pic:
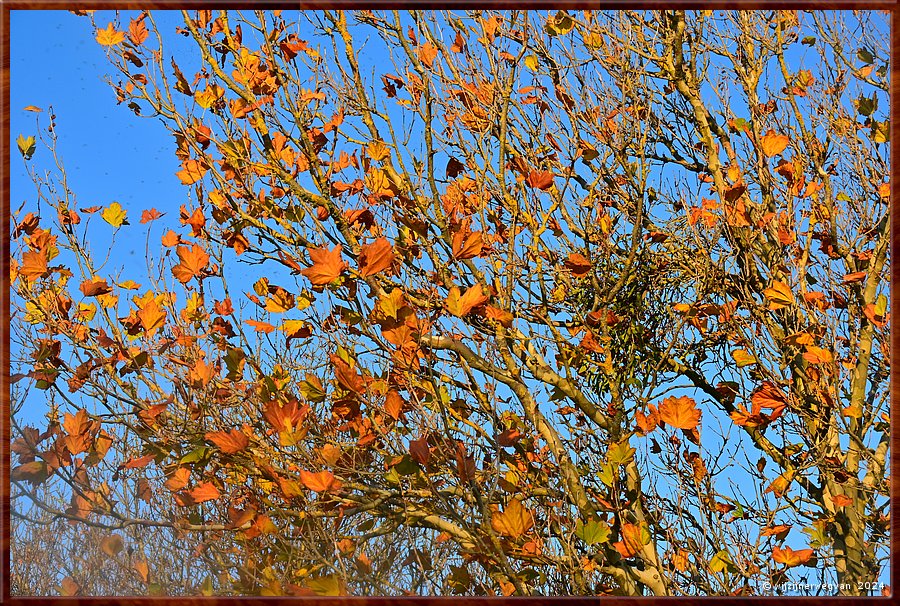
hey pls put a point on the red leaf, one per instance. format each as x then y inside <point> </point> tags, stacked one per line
<point>540,179</point>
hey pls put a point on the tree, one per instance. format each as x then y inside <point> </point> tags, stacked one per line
<point>567,303</point>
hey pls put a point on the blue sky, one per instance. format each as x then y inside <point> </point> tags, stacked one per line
<point>109,153</point>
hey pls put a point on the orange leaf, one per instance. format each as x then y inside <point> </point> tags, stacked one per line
<point>34,264</point>
<point>780,484</point>
<point>393,404</point>
<point>170,239</point>
<point>578,265</point>
<point>467,246</point>
<point>200,494</point>
<point>427,53</point>
<point>376,257</point>
<point>841,500</point>
<point>631,542</point>
<point>817,355</point>
<point>327,265</point>
<point>95,287</point>
<point>462,305</point>
<point>514,521</point>
<point>772,143</point>
<point>857,276</point>
<point>680,413</point>
<point>780,531</point>
<point>768,395</point>
<point>178,479</point>
<point>228,442</point>
<point>260,326</point>
<point>540,179</point>
<point>137,31</point>
<point>346,376</point>
<point>779,295</point>
<point>150,215</point>
<point>193,262</point>
<point>109,36</point>
<point>152,317</point>
<point>791,558</point>
<point>323,481</point>
<point>191,171</point>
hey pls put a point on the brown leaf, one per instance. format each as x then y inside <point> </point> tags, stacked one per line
<point>578,265</point>
<point>95,287</point>
<point>376,257</point>
<point>542,180</point>
<point>112,545</point>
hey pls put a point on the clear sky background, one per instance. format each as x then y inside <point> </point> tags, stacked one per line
<point>109,153</point>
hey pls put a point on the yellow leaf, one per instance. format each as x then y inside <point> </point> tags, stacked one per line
<point>114,215</point>
<point>772,143</point>
<point>531,62</point>
<point>779,295</point>
<point>514,521</point>
<point>742,358</point>
<point>109,36</point>
<point>780,484</point>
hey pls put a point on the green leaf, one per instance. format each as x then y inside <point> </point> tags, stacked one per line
<point>593,532</point>
<point>26,146</point>
<point>865,56</point>
<point>881,305</point>
<point>195,455</point>
<point>606,474</point>
<point>722,562</point>
<point>866,106</point>
<point>560,24</point>
<point>620,453</point>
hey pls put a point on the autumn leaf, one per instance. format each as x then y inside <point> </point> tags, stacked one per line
<point>467,245</point>
<point>347,377</point>
<point>322,481</point>
<point>112,545</point>
<point>462,305</point>
<point>296,329</point>
<point>393,404</point>
<point>779,295</point>
<point>68,587</point>
<point>772,143</point>
<point>26,145</point>
<point>263,327</point>
<point>150,215</point>
<point>178,479</point>
<point>152,317</point>
<point>852,278</point>
<point>841,500</point>
<point>376,257</point>
<point>327,265</point>
<point>171,239</point>
<point>791,558</point>
<point>34,264</point>
<point>542,180</point>
<point>229,442</point>
<point>817,355</point>
<point>768,395</point>
<point>743,358</point>
<point>137,31</point>
<point>95,287</point>
<point>200,494</point>
<point>193,262</point>
<point>780,484</point>
<point>109,36</point>
<point>514,521</point>
<point>632,541</point>
<point>578,264</point>
<point>115,215</point>
<point>427,53</point>
<point>680,413</point>
<point>191,171</point>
